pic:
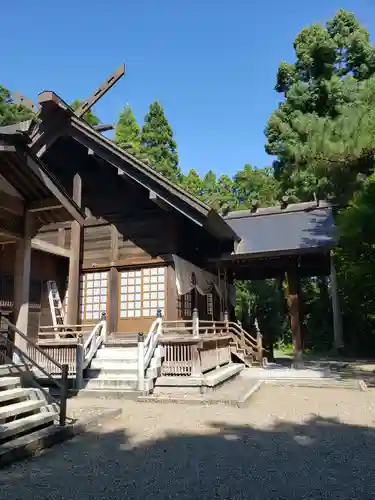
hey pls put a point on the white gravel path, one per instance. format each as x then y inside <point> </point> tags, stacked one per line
<point>290,443</point>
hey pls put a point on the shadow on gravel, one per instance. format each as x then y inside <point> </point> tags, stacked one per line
<point>320,459</point>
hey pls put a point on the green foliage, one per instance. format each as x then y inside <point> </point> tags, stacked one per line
<point>89,116</point>
<point>323,135</point>
<point>127,132</point>
<point>322,84</point>
<point>158,145</point>
<point>255,185</point>
<point>10,112</point>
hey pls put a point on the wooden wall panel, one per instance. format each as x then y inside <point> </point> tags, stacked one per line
<point>96,246</point>
<point>44,267</point>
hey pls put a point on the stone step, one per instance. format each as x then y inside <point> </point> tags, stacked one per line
<point>20,408</point>
<point>28,445</point>
<point>117,353</point>
<point>109,371</point>
<point>15,393</point>
<point>7,382</point>
<point>117,384</point>
<point>113,364</point>
<point>26,424</point>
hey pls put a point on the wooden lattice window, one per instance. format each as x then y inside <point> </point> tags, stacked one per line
<point>93,295</point>
<point>142,292</point>
<point>210,304</point>
<point>184,305</point>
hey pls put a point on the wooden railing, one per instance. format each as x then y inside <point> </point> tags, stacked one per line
<point>61,332</point>
<point>194,357</point>
<point>60,354</point>
<point>73,345</point>
<point>252,346</point>
<point>146,349</point>
<point>85,351</point>
<point>25,359</point>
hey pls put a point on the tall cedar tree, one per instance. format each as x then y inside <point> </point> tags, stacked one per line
<point>127,132</point>
<point>158,145</point>
<point>330,61</point>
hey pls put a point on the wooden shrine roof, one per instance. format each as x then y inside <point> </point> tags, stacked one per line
<point>26,183</point>
<point>58,121</point>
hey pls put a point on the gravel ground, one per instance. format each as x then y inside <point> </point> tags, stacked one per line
<point>290,443</point>
<point>78,410</point>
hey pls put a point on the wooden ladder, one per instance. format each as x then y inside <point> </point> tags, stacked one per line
<point>55,304</point>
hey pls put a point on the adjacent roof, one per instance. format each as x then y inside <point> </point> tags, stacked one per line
<point>293,230</point>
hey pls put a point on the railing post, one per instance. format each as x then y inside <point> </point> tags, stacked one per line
<point>217,354</point>
<point>226,320</point>
<point>195,321</point>
<point>64,394</point>
<point>195,313</point>
<point>141,362</point>
<point>79,362</point>
<point>103,332</point>
<point>196,366</point>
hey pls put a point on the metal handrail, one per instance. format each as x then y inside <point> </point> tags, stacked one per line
<point>63,385</point>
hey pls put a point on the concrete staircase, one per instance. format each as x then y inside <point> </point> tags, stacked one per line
<point>114,370</point>
<point>24,412</point>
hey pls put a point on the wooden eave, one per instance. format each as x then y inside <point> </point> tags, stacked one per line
<point>40,192</point>
<point>165,191</point>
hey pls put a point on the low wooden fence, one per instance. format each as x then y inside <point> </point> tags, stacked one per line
<point>194,357</point>
<point>252,346</point>
<point>63,352</point>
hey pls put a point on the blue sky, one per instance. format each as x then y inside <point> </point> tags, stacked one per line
<point>211,64</point>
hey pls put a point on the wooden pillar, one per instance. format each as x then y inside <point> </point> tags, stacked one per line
<point>292,276</point>
<point>22,280</point>
<point>113,280</point>
<point>338,342</point>
<point>195,305</point>
<point>171,312</point>
<point>75,258</point>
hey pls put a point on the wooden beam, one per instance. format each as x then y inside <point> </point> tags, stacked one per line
<point>44,205</point>
<point>104,127</point>
<point>10,234</point>
<point>47,247</point>
<point>158,201</point>
<point>101,91</point>
<point>49,183</point>
<point>75,258</point>
<point>11,204</point>
<point>113,281</point>
<point>7,148</point>
<point>48,131</point>
<point>61,237</point>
